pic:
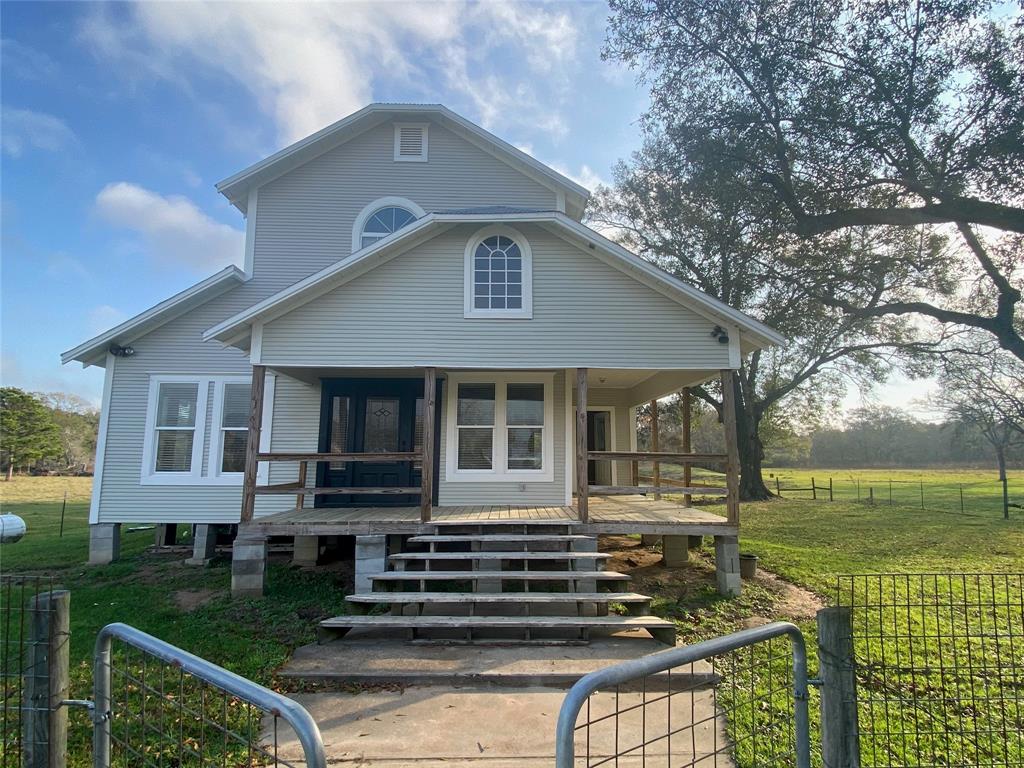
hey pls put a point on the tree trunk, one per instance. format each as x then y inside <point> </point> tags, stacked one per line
<point>10,468</point>
<point>748,425</point>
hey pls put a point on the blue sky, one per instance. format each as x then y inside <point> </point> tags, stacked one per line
<point>119,118</point>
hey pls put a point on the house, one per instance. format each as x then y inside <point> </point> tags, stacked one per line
<point>424,334</point>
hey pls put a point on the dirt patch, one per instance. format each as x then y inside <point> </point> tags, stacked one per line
<point>187,600</point>
<point>778,599</point>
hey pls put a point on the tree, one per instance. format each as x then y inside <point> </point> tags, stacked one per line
<point>27,430</point>
<point>844,116</point>
<point>984,388</point>
<point>78,423</point>
<point>702,226</point>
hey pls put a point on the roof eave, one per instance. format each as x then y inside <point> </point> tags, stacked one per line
<point>93,351</point>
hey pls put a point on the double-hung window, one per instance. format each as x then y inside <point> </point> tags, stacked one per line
<point>234,426</point>
<point>176,419</point>
<point>197,429</point>
<point>500,427</point>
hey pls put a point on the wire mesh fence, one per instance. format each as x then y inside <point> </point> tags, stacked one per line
<point>730,702</point>
<point>26,635</point>
<point>939,662</point>
<point>159,706</point>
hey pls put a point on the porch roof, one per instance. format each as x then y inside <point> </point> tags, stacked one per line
<point>754,334</point>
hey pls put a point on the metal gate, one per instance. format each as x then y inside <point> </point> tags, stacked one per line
<point>738,699</point>
<point>152,704</point>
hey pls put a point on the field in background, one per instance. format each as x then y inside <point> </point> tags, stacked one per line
<point>941,488</point>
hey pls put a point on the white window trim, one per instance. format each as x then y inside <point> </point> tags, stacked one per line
<point>499,471</point>
<point>372,208</point>
<point>213,475</point>
<point>526,312</point>
<point>420,158</point>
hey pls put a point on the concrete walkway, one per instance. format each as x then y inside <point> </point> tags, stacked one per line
<point>497,727</point>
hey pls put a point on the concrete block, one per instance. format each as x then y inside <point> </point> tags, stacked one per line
<point>727,565</point>
<point>675,550</point>
<point>307,550</point>
<point>104,543</point>
<point>204,545</point>
<point>371,558</point>
<point>488,585</point>
<point>166,535</point>
<point>248,567</point>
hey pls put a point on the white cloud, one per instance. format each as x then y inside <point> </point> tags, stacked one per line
<point>26,62</point>
<point>172,228</point>
<point>310,64</point>
<point>26,128</point>
<point>586,176</point>
<point>103,318</point>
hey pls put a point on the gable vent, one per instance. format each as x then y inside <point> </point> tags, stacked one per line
<point>411,142</point>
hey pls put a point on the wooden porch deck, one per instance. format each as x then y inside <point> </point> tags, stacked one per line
<point>617,514</point>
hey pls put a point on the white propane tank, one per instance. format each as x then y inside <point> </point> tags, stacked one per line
<point>12,528</point>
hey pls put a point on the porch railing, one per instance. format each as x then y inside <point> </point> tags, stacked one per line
<point>300,489</point>
<point>729,460</point>
<point>254,455</point>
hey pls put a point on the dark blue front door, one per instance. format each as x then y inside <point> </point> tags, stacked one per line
<point>370,416</point>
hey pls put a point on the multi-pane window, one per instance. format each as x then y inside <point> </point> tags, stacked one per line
<point>234,427</point>
<point>524,421</point>
<point>500,427</point>
<point>383,222</point>
<point>498,274</point>
<point>175,426</point>
<point>475,424</point>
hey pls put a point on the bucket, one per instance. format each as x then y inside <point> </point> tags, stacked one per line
<point>748,566</point>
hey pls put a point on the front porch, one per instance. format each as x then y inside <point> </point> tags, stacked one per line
<point>612,514</point>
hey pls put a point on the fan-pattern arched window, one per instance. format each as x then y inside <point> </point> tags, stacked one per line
<point>383,222</point>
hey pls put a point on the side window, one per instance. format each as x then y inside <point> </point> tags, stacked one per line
<point>177,405</point>
<point>234,427</point>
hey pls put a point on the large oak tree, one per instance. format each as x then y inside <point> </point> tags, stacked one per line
<point>847,115</point>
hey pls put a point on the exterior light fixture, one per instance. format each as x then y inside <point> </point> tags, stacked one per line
<point>118,351</point>
<point>720,333</point>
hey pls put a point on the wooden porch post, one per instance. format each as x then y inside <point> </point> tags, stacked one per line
<point>655,448</point>
<point>427,462</point>
<point>687,447</point>
<point>252,445</point>
<point>582,481</point>
<point>732,467</point>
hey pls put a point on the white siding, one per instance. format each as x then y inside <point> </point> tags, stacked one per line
<point>304,219</point>
<point>409,311</point>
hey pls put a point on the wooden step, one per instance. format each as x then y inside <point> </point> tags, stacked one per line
<point>499,575</point>
<point>660,629</point>
<point>497,521</point>
<point>411,598</point>
<point>499,538</point>
<point>500,555</point>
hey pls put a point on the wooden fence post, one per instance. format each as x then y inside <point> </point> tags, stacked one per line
<point>840,736</point>
<point>582,481</point>
<point>778,487</point>
<point>427,462</point>
<point>45,721</point>
<point>655,447</point>
<point>830,489</point>
<point>814,489</point>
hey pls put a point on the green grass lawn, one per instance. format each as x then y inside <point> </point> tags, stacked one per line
<point>808,543</point>
<point>250,637</point>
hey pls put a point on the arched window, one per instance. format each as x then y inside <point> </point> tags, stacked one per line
<point>382,217</point>
<point>499,274</point>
